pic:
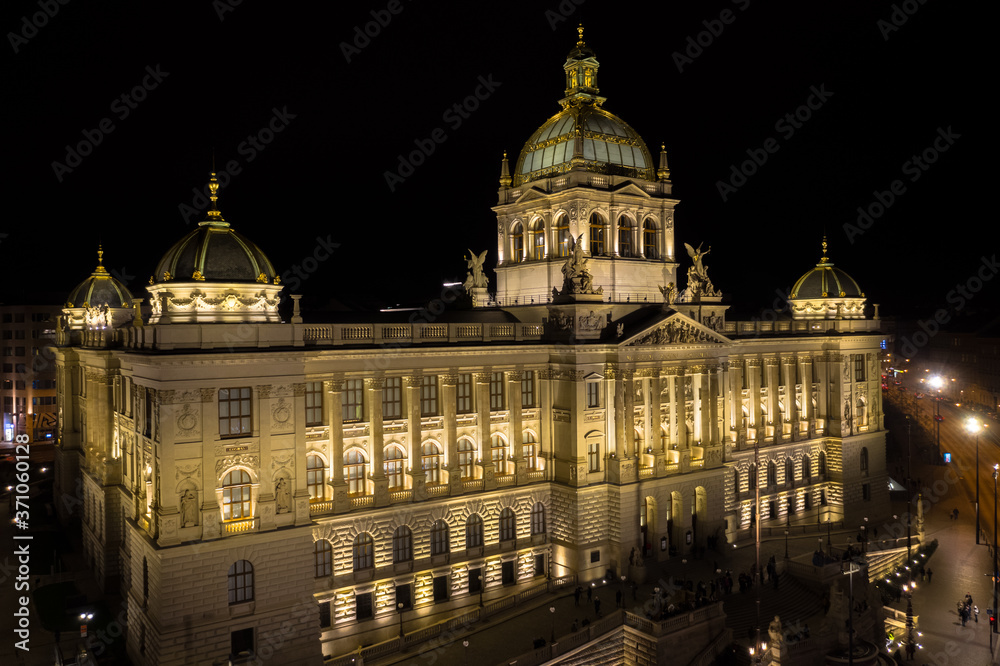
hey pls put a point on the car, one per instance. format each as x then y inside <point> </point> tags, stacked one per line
<point>918,396</point>
<point>901,388</point>
<point>885,387</point>
<point>938,417</point>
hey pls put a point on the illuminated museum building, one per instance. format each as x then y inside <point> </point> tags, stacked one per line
<point>246,482</point>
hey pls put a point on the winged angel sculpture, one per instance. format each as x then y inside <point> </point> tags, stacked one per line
<point>698,284</point>
<point>476,277</point>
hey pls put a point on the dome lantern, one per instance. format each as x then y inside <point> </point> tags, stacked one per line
<point>826,292</point>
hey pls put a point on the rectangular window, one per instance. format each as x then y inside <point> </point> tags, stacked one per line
<point>441,588</point>
<point>403,597</point>
<point>594,457</point>
<point>353,400</point>
<point>18,351</point>
<point>593,395</point>
<point>475,581</point>
<point>429,396</point>
<point>363,606</point>
<point>595,556</point>
<point>507,572</point>
<point>859,367</point>
<point>528,389</point>
<point>392,398</point>
<point>234,412</point>
<point>324,614</point>
<point>540,564</point>
<point>866,491</point>
<point>241,644</point>
<point>496,391</point>
<point>314,403</point>
<point>464,394</point>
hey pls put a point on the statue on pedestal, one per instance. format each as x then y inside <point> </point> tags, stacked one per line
<point>699,284</point>
<point>576,277</point>
<point>475,278</point>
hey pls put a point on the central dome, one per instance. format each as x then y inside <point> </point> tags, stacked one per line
<point>607,145</point>
<point>583,136</point>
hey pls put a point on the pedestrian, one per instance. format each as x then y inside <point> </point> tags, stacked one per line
<point>590,593</point>
<point>910,649</point>
<point>597,606</point>
<point>576,595</point>
<point>930,573</point>
<point>574,627</point>
<point>975,610</point>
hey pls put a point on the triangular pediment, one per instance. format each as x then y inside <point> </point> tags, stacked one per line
<point>532,194</point>
<point>631,188</point>
<point>676,329</point>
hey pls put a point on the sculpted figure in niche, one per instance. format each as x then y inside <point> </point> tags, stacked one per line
<point>189,508</point>
<point>282,496</point>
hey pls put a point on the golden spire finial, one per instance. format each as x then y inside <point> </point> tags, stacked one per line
<point>214,214</point>
<point>579,32</point>
<point>824,259</point>
<point>100,254</point>
<point>505,179</point>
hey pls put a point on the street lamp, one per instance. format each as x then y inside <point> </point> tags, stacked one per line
<point>480,590</point>
<point>786,544</point>
<point>399,605</point>
<point>85,618</point>
<point>908,591</point>
<point>622,604</point>
<point>936,383</point>
<point>853,567</point>
<point>993,628</point>
<point>552,612</point>
<point>465,644</point>
<point>973,427</point>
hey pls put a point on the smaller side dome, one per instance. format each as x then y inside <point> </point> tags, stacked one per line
<point>826,292</point>
<point>100,289</point>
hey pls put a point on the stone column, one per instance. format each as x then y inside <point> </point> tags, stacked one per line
<point>516,436</point>
<point>211,510</point>
<point>788,379</point>
<point>671,383</point>
<point>415,436</point>
<point>266,508</point>
<point>449,404</point>
<point>482,380</point>
<point>335,421</point>
<point>754,366</point>
<point>628,391</point>
<point>546,447</point>
<point>771,367</point>
<point>376,440</point>
<point>619,407</point>
<point>300,499</point>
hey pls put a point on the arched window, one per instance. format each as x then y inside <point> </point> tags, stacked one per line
<point>530,451</point>
<point>315,478</point>
<point>466,457</point>
<point>508,524</point>
<point>236,502</point>
<point>402,544</point>
<point>323,552</point>
<point>364,552</point>
<point>354,471</point>
<point>538,519</point>
<point>563,239</point>
<point>821,463</point>
<point>736,482</point>
<point>789,470</point>
<point>440,542</point>
<point>596,235</point>
<point>625,237</point>
<point>431,454</point>
<point>649,247</point>
<point>240,582</point>
<point>393,462</point>
<point>772,474</point>
<point>752,478</point>
<point>864,460</point>
<point>474,531</point>
<point>517,243</point>
<point>498,453</point>
<point>536,234</point>
<point>806,468</point>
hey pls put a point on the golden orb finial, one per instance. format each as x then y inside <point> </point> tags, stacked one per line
<point>579,31</point>
<point>214,214</point>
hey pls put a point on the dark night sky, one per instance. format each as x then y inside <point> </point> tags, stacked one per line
<point>323,174</point>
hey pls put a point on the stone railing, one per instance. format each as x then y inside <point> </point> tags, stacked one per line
<point>362,501</point>
<point>241,526</point>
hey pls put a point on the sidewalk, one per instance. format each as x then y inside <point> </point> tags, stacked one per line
<point>960,567</point>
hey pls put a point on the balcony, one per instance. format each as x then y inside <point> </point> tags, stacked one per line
<point>241,526</point>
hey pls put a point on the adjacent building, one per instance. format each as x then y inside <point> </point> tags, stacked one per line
<point>28,373</point>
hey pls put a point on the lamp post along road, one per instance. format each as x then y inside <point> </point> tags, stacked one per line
<point>973,427</point>
<point>993,628</point>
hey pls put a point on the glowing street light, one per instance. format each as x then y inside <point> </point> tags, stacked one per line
<point>973,427</point>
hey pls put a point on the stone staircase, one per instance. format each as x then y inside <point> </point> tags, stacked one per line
<point>791,601</point>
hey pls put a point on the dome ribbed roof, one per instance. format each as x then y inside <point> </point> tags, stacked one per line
<point>607,145</point>
<point>101,288</point>
<point>826,281</point>
<point>214,252</point>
